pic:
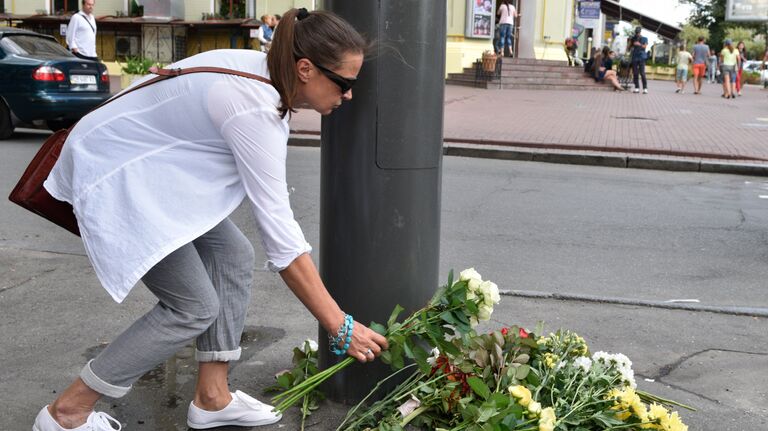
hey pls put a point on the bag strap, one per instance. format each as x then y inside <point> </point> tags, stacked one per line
<point>163,74</point>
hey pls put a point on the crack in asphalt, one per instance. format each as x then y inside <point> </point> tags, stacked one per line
<point>669,368</point>
<point>3,289</point>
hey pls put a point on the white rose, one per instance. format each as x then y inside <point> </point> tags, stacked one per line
<point>471,295</point>
<point>534,407</point>
<point>474,284</point>
<point>309,346</point>
<point>469,274</point>
<point>484,313</point>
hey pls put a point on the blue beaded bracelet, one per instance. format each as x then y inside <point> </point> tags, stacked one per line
<point>343,337</point>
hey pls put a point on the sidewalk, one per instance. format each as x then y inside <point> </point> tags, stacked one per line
<point>660,130</point>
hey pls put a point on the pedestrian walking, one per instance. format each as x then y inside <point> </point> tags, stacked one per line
<point>742,48</point>
<point>81,32</point>
<point>700,54</point>
<point>639,44</point>
<point>684,60</point>
<point>507,14</point>
<point>712,69</point>
<point>153,177</point>
<point>729,62</point>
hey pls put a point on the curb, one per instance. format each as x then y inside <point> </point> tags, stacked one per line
<point>669,305</point>
<point>589,158</point>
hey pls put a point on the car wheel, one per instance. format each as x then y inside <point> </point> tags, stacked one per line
<point>56,125</point>
<point>6,126</point>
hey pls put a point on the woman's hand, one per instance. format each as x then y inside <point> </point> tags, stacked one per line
<point>366,344</point>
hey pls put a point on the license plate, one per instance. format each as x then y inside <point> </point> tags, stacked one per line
<point>82,79</point>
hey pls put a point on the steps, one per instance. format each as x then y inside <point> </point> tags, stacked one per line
<point>528,74</point>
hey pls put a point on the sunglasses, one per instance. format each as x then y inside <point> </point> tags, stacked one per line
<point>344,84</point>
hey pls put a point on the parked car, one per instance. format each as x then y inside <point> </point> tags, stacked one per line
<point>41,83</point>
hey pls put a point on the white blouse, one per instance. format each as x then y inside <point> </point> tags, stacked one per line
<point>162,165</point>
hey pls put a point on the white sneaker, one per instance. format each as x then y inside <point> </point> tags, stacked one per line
<point>97,421</point>
<point>243,410</point>
<point>636,90</point>
<point>645,91</point>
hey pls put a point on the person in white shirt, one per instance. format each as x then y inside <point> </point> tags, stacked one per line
<point>152,178</point>
<point>507,14</point>
<point>81,32</point>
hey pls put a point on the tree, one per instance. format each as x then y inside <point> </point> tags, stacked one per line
<point>710,14</point>
<point>746,35</point>
<point>691,34</point>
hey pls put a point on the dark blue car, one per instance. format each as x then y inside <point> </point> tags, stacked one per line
<point>41,83</point>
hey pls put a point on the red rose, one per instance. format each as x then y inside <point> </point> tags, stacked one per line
<point>504,331</point>
<point>523,333</point>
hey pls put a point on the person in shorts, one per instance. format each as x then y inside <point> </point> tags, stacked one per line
<point>700,56</point>
<point>684,60</point>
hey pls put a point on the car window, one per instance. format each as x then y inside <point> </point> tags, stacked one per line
<point>24,44</point>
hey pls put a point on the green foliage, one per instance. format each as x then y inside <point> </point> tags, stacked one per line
<point>691,34</point>
<point>138,65</point>
<point>304,367</point>
<point>136,9</point>
<point>629,32</point>
<point>710,14</point>
<point>747,35</point>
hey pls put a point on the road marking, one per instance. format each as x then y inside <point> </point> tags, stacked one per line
<point>763,196</point>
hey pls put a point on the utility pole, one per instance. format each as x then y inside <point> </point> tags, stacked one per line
<point>381,172</point>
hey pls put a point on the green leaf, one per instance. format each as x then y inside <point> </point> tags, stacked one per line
<point>396,312</point>
<point>486,413</point>
<point>500,400</point>
<point>378,328</point>
<point>450,277</point>
<point>522,372</point>
<point>479,387</point>
<point>448,318</point>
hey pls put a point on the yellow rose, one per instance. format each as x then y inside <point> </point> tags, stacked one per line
<point>534,407</point>
<point>547,415</point>
<point>522,394</point>
<point>546,426</point>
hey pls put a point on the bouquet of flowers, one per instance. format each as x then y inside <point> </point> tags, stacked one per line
<point>510,379</point>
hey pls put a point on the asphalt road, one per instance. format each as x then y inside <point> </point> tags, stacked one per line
<point>616,233</point>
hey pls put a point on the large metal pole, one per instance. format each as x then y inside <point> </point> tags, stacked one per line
<point>380,174</point>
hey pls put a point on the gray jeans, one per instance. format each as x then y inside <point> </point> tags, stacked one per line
<point>203,290</point>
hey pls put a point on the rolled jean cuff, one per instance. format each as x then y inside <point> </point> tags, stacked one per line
<point>97,384</point>
<point>225,356</point>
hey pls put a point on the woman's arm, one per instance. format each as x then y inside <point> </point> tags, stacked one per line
<point>302,278</point>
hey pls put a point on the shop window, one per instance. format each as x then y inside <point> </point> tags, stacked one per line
<point>64,6</point>
<point>232,8</point>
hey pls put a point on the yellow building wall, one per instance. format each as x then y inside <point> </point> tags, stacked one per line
<point>279,7</point>
<point>25,7</point>
<point>194,9</point>
<point>461,52</point>
<point>554,19</point>
<point>107,7</point>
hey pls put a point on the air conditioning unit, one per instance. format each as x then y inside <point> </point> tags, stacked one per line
<point>127,46</point>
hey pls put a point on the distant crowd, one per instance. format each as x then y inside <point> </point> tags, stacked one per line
<point>702,62</point>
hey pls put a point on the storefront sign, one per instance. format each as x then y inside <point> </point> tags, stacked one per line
<point>481,17</point>
<point>746,10</point>
<point>588,13</point>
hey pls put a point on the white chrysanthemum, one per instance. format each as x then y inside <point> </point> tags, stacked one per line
<point>469,274</point>
<point>584,363</point>
<point>621,363</point>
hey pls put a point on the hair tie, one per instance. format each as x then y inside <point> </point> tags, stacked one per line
<point>303,13</point>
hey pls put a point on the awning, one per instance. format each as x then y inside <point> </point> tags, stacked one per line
<point>614,10</point>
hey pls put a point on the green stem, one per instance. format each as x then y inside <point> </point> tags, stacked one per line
<point>646,396</point>
<point>411,416</point>
<point>351,413</point>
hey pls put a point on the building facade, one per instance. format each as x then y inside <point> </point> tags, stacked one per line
<point>173,29</point>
